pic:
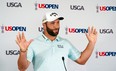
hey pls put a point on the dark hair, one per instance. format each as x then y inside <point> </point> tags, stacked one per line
<point>45,23</point>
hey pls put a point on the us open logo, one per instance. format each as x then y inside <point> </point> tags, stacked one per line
<point>105,54</point>
<point>105,8</point>
<point>75,30</point>
<point>12,28</point>
<point>46,6</point>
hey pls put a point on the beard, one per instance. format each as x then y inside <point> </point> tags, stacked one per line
<point>51,31</point>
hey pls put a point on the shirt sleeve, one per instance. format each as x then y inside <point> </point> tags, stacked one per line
<point>30,53</point>
<point>74,53</point>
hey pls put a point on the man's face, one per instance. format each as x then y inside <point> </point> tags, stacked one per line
<point>53,27</point>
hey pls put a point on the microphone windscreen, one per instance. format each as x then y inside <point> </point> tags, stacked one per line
<point>62,58</point>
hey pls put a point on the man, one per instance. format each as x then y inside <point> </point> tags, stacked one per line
<point>49,52</point>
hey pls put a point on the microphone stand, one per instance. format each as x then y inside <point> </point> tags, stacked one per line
<point>64,63</point>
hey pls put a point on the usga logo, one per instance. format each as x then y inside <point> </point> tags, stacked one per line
<point>105,8</point>
<point>12,52</point>
<point>76,7</point>
<point>106,31</point>
<point>14,4</point>
<point>46,6</point>
<point>12,28</point>
<point>76,30</point>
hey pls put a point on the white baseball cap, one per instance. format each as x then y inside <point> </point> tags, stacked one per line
<point>51,16</point>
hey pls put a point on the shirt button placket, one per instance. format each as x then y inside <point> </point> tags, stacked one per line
<point>52,46</point>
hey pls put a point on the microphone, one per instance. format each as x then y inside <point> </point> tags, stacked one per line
<point>64,63</point>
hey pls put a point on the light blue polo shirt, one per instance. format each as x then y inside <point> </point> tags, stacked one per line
<point>46,55</point>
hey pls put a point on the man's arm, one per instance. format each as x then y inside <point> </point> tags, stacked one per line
<point>92,38</point>
<point>23,63</point>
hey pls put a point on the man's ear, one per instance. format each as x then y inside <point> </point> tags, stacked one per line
<point>44,25</point>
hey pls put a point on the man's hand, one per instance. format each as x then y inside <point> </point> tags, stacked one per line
<point>22,42</point>
<point>92,35</point>
<point>92,38</point>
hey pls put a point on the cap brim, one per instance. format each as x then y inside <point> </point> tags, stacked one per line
<point>61,18</point>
